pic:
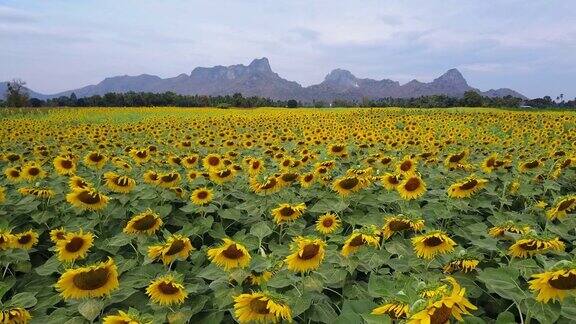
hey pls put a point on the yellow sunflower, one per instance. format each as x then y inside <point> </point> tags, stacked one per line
<point>269,186</point>
<point>327,223</point>
<point>510,227</point>
<point>307,254</point>
<point>346,185</point>
<point>260,307</point>
<point>93,281</point>
<point>287,212</point>
<point>562,208</point>
<point>118,183</point>
<point>166,291</point>
<point>15,316</point>
<point>461,264</point>
<point>229,255</point>
<point>169,180</point>
<point>529,245</point>
<point>74,246</point>
<point>395,310</point>
<point>64,165</point>
<point>32,172</point>
<point>466,188</point>
<point>43,193</point>
<point>121,318</point>
<point>390,181</point>
<point>259,278</point>
<point>57,234</point>
<point>212,162</point>
<point>457,159</point>
<point>177,247</point>
<point>554,285</point>
<point>190,161</point>
<point>307,180</point>
<point>360,238</point>
<point>25,240</point>
<point>527,166</point>
<point>201,196</point>
<point>401,223</point>
<point>406,166</point>
<point>151,177</point>
<point>140,156</point>
<point>428,245</point>
<point>13,174</point>
<point>411,187</point>
<point>6,240</point>
<point>77,182</point>
<point>95,160</point>
<point>146,222</point>
<point>87,199</point>
<point>222,176</point>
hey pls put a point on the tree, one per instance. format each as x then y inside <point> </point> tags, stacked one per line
<point>292,103</point>
<point>472,99</point>
<point>16,93</point>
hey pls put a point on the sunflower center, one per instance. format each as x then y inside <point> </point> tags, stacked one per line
<point>14,173</point>
<point>25,239</point>
<point>490,162</point>
<point>470,184</point>
<point>92,279</point>
<point>385,160</point>
<point>309,251</point>
<point>145,223</point>
<point>33,171</point>
<point>167,288</point>
<point>286,211</point>
<point>202,195</point>
<point>308,177</point>
<point>393,180</point>
<point>531,165</point>
<point>232,252</point>
<point>175,247</point>
<point>269,184</point>
<point>441,315</point>
<point>349,183</point>
<point>66,164</point>
<point>327,222</point>
<point>176,160</point>
<point>213,161</point>
<point>224,173</point>
<point>412,184</point>
<point>564,282</point>
<point>529,246</point>
<point>141,154</point>
<point>169,177</point>
<point>289,177</point>
<point>337,148</point>
<point>566,204</point>
<point>259,306</point>
<point>75,244</point>
<point>95,157</point>
<point>433,241</point>
<point>255,165</point>
<point>398,225</point>
<point>358,240</point>
<point>60,235</point>
<point>122,181</point>
<point>406,165</point>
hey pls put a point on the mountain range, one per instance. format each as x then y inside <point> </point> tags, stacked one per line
<point>258,79</point>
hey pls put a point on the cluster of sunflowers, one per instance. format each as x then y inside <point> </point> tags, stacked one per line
<point>167,215</point>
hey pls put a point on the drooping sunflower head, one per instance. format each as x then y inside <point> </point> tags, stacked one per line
<point>25,240</point>
<point>401,223</point>
<point>229,255</point>
<point>93,281</point>
<point>16,315</point>
<point>428,245</point>
<point>466,187</point>
<point>287,178</point>
<point>555,284</point>
<point>453,160</point>
<point>328,223</point>
<point>118,183</point>
<point>87,199</point>
<point>531,244</point>
<point>259,278</point>
<point>361,237</point>
<point>528,166</point>
<point>287,212</point>
<point>146,222</point>
<point>261,307</point>
<point>6,240</point>
<point>269,186</point>
<point>307,254</point>
<point>562,208</point>
<point>222,176</point>
<point>166,291</point>
<point>462,263</point>
<point>500,230</point>
<point>74,246</point>
<point>77,182</point>
<point>169,180</point>
<point>151,177</point>
<point>411,187</point>
<point>396,310</point>
<point>202,196</point>
<point>176,247</point>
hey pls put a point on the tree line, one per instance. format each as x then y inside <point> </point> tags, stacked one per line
<point>17,96</point>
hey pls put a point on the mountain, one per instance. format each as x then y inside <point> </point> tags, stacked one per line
<point>258,79</point>
<point>33,94</point>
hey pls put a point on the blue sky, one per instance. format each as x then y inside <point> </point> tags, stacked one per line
<point>529,46</point>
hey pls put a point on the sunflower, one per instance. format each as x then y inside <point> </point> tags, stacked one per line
<point>222,176</point>
<point>406,166</point>
<point>212,162</point>
<point>169,180</point>
<point>93,281</point>
<point>271,185</point>
<point>411,188</point>
<point>15,316</point>
<point>201,196</point>
<point>32,172</point>
<point>74,246</point>
<point>337,150</point>
<point>190,161</point>
<point>441,308</point>
<point>456,160</point>
<point>166,291</point>
<point>140,156</point>
<point>57,234</point>
<point>562,208</point>
<point>118,183</point>
<point>527,166</point>
<point>492,163</point>
<point>147,222</point>
<point>229,255</point>
<point>327,223</point>
<point>121,318</point>
<point>395,310</point>
<point>307,180</point>
<point>428,245</point>
<point>286,212</point>
<point>87,199</point>
<point>13,174</point>
<point>260,307</point>
<point>463,264</point>
<point>307,254</point>
<point>466,187</point>
<point>530,245</point>
<point>348,184</point>
<point>554,285</point>
<point>6,240</point>
<point>287,178</point>
<point>255,166</point>
<point>151,177</point>
<point>390,181</point>
<point>95,160</point>
<point>43,193</point>
<point>64,165</point>
<point>360,238</point>
<point>401,223</point>
<point>259,278</point>
<point>25,240</point>
<point>501,230</point>
<point>177,247</point>
<point>78,183</point>
<point>174,160</point>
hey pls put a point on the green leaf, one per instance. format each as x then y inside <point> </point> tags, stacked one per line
<point>544,313</point>
<point>569,309</point>
<point>376,319</point>
<point>24,300</point>
<point>261,230</point>
<point>503,281</point>
<point>322,312</point>
<point>506,318</point>
<point>90,308</point>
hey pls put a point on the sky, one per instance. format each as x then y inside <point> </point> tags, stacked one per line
<point>529,46</point>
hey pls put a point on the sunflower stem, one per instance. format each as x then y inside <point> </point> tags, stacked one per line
<point>519,312</point>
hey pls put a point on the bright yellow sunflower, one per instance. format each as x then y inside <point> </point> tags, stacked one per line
<point>95,160</point>
<point>77,182</point>
<point>166,291</point>
<point>428,245</point>
<point>260,307</point>
<point>87,199</point>
<point>222,176</point>
<point>25,240</point>
<point>530,245</point>
<point>359,238</point>
<point>6,240</point>
<point>118,183</point>
<point>411,187</point>
<point>212,162</point>
<point>57,234</point>
<point>177,247</point>
<point>390,181</point>
<point>201,196</point>
<point>230,255</point>
<point>74,246</point>
<point>500,230</point>
<point>269,186</point>
<point>259,278</point>
<point>146,222</point>
<point>466,187</point>
<point>287,212</point>
<point>555,284</point>
<point>151,177</point>
<point>169,180</point>
<point>93,281</point>
<point>463,264</point>
<point>562,208</point>
<point>401,223</point>
<point>307,254</point>
<point>32,172</point>
<point>346,185</point>
<point>13,174</point>
<point>328,223</point>
<point>407,165</point>
<point>122,318</point>
<point>15,316</point>
<point>64,165</point>
<point>395,310</point>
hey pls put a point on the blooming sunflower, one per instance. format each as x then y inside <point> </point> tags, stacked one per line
<point>121,318</point>
<point>74,246</point>
<point>87,199</point>
<point>169,180</point>
<point>166,291</point>
<point>337,150</point>
<point>146,222</point>
<point>428,245</point>
<point>95,160</point>
<point>466,187</point>
<point>32,172</point>
<point>6,240</point>
<point>261,307</point>
<point>57,234</point>
<point>562,208</point>
<point>201,196</point>
<point>287,212</point>
<point>510,227</point>
<point>456,159</point>
<point>140,156</point>
<point>229,255</point>
<point>190,161</point>
<point>327,223</point>
<point>307,254</point>
<point>390,181</point>
<point>346,185</point>
<point>395,310</point>
<point>359,238</point>
<point>307,180</point>
<point>77,182</point>
<point>151,177</point>
<point>177,247</point>
<point>269,186</point>
<point>530,245</point>
<point>407,165</point>
<point>222,176</point>
<point>441,308</point>
<point>64,165</point>
<point>555,284</point>
<point>255,166</point>
<point>25,240</point>
<point>463,264</point>
<point>15,316</point>
<point>118,183</point>
<point>93,281</point>
<point>527,166</point>
<point>212,162</point>
<point>400,223</point>
<point>259,278</point>
<point>411,187</point>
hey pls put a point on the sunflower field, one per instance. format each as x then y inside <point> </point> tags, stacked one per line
<point>173,215</point>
